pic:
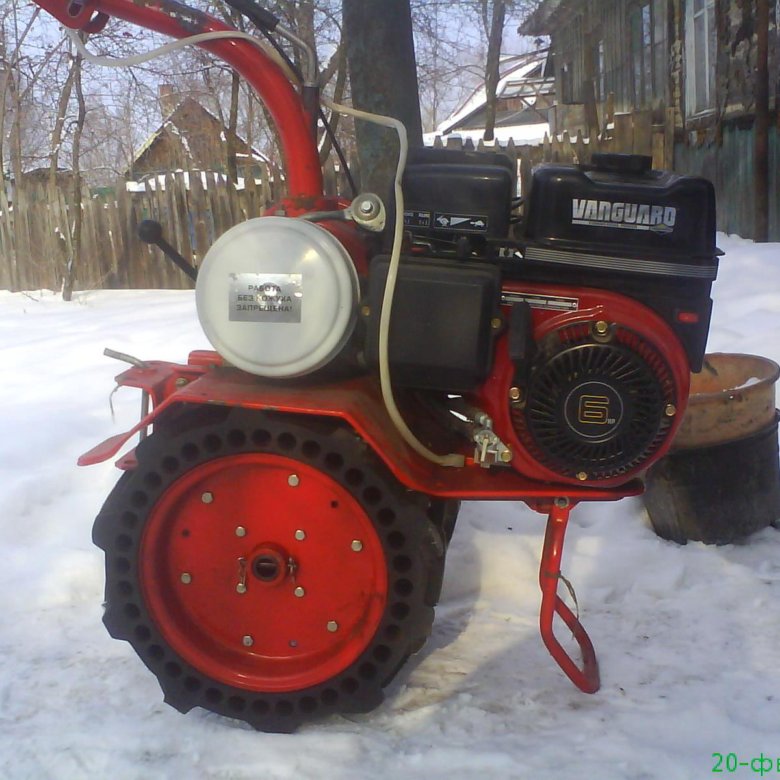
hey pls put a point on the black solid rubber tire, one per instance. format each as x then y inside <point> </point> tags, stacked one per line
<point>413,545</point>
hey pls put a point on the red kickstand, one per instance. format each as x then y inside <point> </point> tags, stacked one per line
<point>587,678</point>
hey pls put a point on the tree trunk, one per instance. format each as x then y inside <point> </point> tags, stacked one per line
<point>74,261</point>
<point>492,66</point>
<point>380,52</point>
<point>230,142</point>
<point>761,151</point>
<point>59,122</point>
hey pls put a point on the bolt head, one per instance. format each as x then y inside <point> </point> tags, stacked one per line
<point>670,410</point>
<point>240,531</point>
<point>241,588</point>
<point>186,577</point>
<point>247,641</point>
<point>332,626</point>
<point>207,497</point>
<point>293,480</point>
<point>506,456</point>
<point>515,393</point>
<point>357,545</point>
<point>181,381</point>
<point>582,476</point>
<point>300,535</point>
<point>299,592</point>
<point>495,323</point>
<point>366,207</point>
<point>601,327</point>
<point>365,311</point>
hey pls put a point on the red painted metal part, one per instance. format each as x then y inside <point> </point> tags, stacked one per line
<point>593,305</point>
<point>304,175</point>
<point>585,678</point>
<point>359,403</point>
<point>260,586</point>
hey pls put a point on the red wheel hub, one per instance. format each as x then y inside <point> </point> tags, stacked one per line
<point>262,572</point>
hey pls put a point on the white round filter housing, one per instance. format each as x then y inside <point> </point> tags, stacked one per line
<point>277,297</point>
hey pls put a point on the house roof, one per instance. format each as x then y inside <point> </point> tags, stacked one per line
<point>174,123</point>
<point>522,76</point>
<point>538,23</point>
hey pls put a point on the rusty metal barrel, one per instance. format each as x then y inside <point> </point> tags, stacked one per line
<point>721,481</point>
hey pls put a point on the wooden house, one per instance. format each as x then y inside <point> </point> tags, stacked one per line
<point>190,138</point>
<point>524,95</point>
<point>707,69</point>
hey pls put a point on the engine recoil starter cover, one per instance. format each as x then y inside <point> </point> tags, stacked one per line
<point>277,297</point>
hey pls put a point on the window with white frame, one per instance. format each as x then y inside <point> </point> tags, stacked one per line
<point>700,52</point>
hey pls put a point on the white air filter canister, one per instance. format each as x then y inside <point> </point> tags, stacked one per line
<point>277,297</point>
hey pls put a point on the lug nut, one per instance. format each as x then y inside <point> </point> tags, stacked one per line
<point>332,626</point>
<point>247,641</point>
<point>207,498</point>
<point>357,545</point>
<point>300,535</point>
<point>299,592</point>
<point>293,480</point>
<point>241,531</point>
<point>186,577</point>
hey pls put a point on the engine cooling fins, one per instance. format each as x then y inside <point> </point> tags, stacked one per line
<point>597,407</point>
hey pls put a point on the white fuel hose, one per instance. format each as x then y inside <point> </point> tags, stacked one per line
<point>453,459</point>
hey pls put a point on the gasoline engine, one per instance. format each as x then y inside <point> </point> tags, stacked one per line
<point>276,544</point>
<point>575,339</point>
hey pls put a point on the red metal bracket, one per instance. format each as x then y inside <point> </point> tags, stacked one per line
<point>585,678</point>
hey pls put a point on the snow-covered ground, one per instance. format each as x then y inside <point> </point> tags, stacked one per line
<point>688,637</point>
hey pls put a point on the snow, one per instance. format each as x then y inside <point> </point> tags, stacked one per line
<point>687,637</point>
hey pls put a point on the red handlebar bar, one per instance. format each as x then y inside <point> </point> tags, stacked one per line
<point>304,175</point>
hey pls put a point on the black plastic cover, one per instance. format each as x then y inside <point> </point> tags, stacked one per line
<point>441,336</point>
<point>450,193</point>
<point>618,210</point>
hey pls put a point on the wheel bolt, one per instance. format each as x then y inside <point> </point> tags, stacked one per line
<point>207,498</point>
<point>332,626</point>
<point>241,531</point>
<point>357,545</point>
<point>186,577</point>
<point>293,480</point>
<point>247,641</point>
<point>299,592</point>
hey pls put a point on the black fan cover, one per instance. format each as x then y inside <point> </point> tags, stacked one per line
<point>596,410</point>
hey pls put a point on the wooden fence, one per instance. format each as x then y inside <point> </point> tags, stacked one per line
<point>194,209</point>
<point>36,243</point>
<point>629,133</point>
